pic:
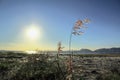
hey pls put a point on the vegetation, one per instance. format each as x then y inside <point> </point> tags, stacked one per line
<point>23,66</point>
<point>110,76</point>
<point>38,67</point>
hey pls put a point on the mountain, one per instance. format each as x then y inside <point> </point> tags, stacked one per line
<point>100,51</point>
<point>108,50</point>
<point>86,51</point>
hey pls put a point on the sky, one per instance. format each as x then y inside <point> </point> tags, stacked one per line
<point>54,20</point>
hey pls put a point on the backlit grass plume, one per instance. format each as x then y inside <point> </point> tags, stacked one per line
<point>76,30</point>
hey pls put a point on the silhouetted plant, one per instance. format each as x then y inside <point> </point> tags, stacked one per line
<point>59,48</point>
<point>76,30</point>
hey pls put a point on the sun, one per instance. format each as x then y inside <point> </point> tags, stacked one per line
<point>33,32</point>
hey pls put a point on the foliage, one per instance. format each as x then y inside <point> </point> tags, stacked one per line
<point>38,67</point>
<point>111,76</point>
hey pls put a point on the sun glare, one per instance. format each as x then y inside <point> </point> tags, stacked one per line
<point>31,52</point>
<point>33,32</point>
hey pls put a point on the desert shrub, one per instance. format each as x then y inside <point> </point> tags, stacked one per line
<point>111,76</point>
<point>39,70</point>
<point>3,67</point>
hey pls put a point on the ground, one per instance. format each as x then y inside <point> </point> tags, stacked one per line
<point>21,66</point>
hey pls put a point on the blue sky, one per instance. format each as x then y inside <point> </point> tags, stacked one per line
<point>55,18</point>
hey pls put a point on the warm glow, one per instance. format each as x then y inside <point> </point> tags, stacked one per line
<point>33,32</point>
<point>31,52</point>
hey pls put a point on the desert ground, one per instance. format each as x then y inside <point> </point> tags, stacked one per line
<point>46,66</point>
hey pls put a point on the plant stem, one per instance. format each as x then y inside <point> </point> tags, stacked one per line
<point>71,54</point>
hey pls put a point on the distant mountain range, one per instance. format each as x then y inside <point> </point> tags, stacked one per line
<point>101,51</point>
<point>108,50</point>
<point>81,51</point>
